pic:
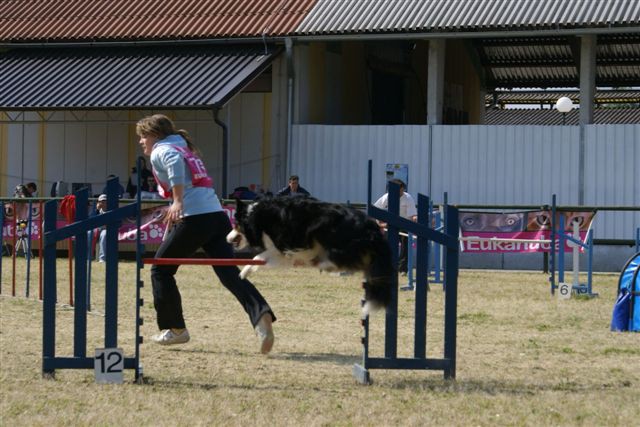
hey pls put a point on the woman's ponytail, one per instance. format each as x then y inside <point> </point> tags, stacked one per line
<point>183,133</point>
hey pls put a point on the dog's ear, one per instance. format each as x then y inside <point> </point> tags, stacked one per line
<point>240,208</point>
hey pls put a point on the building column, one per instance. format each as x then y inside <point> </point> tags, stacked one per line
<point>587,77</point>
<point>435,81</point>
<point>275,157</point>
<point>588,45</point>
<point>482,119</point>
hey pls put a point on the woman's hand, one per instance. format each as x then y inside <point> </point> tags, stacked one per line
<point>175,213</point>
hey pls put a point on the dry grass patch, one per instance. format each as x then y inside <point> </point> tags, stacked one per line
<point>524,358</point>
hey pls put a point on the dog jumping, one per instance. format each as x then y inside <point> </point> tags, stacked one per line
<point>303,231</point>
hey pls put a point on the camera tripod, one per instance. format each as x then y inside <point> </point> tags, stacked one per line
<point>23,244</point>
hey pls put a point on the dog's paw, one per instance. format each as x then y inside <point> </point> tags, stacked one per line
<point>244,273</point>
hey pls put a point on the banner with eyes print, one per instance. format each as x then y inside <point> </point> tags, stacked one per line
<point>512,232</point>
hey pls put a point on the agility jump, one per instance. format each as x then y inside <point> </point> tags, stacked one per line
<point>78,230</point>
<point>112,219</point>
<point>449,241</point>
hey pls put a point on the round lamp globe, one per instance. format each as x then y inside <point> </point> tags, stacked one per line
<point>564,104</point>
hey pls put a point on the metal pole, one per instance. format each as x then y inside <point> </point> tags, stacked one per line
<point>225,152</point>
<point>576,255</point>
<point>49,298</point>
<point>422,276</point>
<point>40,253</point>
<point>290,76</point>
<point>111,270</point>
<point>15,249</point>
<point>552,276</point>
<point>561,243</point>
<point>391,318</point>
<point>1,241</point>
<point>590,261</point>
<point>139,283</point>
<point>451,257</point>
<point>28,250</point>
<point>80,284</point>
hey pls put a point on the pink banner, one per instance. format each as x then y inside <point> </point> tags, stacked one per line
<point>517,231</point>
<point>151,230</point>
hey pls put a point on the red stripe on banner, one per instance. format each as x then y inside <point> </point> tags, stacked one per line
<point>202,261</point>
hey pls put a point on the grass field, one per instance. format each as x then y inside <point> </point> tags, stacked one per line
<point>524,358</point>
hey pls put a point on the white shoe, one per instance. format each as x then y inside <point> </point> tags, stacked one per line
<point>168,337</point>
<point>265,333</point>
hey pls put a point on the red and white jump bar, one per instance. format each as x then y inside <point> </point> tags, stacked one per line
<point>202,261</point>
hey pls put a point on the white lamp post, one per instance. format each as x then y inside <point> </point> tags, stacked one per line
<point>564,105</point>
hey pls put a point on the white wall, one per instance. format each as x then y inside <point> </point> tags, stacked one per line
<point>483,165</point>
<point>612,159</point>
<point>88,146</point>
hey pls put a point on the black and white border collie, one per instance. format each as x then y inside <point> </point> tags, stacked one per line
<point>302,231</point>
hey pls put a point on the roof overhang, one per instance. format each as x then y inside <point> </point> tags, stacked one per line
<point>194,77</point>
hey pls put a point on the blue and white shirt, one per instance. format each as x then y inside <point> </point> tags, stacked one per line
<point>170,168</point>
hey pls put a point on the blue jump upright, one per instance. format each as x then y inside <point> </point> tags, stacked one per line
<point>424,234</point>
<point>433,253</point>
<point>557,261</point>
<point>78,229</point>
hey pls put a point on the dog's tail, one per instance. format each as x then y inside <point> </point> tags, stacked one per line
<point>379,275</point>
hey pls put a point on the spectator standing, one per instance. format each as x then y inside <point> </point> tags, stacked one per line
<point>407,210</point>
<point>101,207</point>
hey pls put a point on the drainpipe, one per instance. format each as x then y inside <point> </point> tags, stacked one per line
<point>225,152</point>
<point>289,52</point>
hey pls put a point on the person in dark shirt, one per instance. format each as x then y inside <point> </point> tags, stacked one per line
<point>294,188</point>
<point>120,187</point>
<point>145,174</point>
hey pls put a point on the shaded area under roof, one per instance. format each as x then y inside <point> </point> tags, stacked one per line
<point>551,96</point>
<point>546,117</point>
<point>117,78</point>
<point>548,62</point>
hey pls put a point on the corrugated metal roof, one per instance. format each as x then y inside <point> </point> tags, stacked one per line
<point>550,97</point>
<point>365,16</point>
<point>194,77</point>
<point>84,20</point>
<point>551,61</point>
<point>102,20</point>
<point>508,62</point>
<point>548,117</point>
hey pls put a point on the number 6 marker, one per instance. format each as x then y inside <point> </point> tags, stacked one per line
<point>564,290</point>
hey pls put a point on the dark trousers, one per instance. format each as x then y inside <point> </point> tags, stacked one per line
<point>207,231</point>
<point>404,252</point>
